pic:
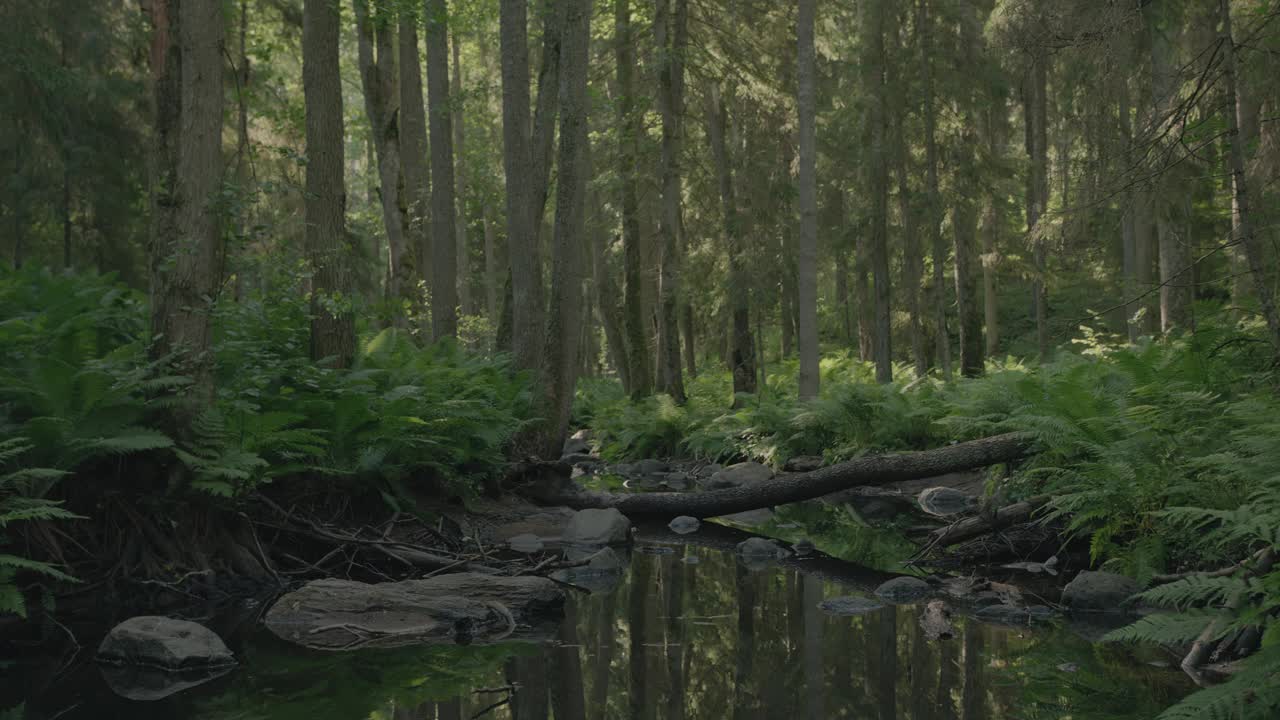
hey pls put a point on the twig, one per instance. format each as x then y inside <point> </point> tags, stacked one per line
<point>491,708</point>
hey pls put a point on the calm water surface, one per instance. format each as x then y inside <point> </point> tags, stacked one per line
<point>688,632</point>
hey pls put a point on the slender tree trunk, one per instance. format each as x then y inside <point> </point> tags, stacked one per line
<point>964,212</point>
<point>607,295</point>
<point>995,116</point>
<point>444,271</point>
<point>628,152</point>
<point>490,267</point>
<point>912,257</point>
<point>807,255</point>
<point>843,308</point>
<point>333,333</point>
<point>1242,225</point>
<point>413,141</point>
<point>378,78</point>
<point>742,362</point>
<point>862,297</point>
<point>460,150</point>
<point>523,253</point>
<point>1035,108</point>
<point>878,186</point>
<point>942,336</point>
<point>564,317</point>
<point>186,231</point>
<point>1174,261</point>
<point>671,34</point>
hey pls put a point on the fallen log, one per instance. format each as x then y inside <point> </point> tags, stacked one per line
<point>973,527</point>
<point>549,482</point>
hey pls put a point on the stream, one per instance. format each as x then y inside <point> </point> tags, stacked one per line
<point>688,632</point>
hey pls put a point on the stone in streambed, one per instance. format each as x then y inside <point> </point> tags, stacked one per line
<point>1099,592</point>
<point>684,525</point>
<point>597,527</point>
<point>164,643</point>
<point>903,590</point>
<point>526,543</point>
<point>944,501</point>
<point>747,473</point>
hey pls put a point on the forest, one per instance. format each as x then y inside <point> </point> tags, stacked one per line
<point>639,358</point>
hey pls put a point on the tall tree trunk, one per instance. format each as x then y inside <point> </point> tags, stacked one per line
<point>607,294</point>
<point>942,340</point>
<point>1035,111</point>
<point>878,184</point>
<point>333,333</point>
<point>807,255</point>
<point>444,270</point>
<point>862,297</point>
<point>490,267</point>
<point>1174,264</point>
<point>413,142</point>
<point>1242,221</point>
<point>912,257</point>
<point>742,354</point>
<point>460,163</point>
<point>629,129</point>
<point>375,32</point>
<point>523,253</point>
<point>843,308</point>
<point>186,229</point>
<point>564,317</point>
<point>964,211</point>
<point>995,127</point>
<point>671,34</point>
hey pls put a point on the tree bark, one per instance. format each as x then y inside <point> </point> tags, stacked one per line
<point>912,257</point>
<point>872,470</point>
<point>490,267</point>
<point>629,129</point>
<point>564,317</point>
<point>878,184</point>
<point>333,333</point>
<point>1036,117</point>
<point>187,167</point>
<point>1242,221</point>
<point>460,164</point>
<point>973,527</point>
<point>376,39</point>
<point>942,340</point>
<point>964,214</point>
<point>444,270</point>
<point>742,363</point>
<point>671,34</point>
<point>413,141</point>
<point>807,255</point>
<point>1174,263</point>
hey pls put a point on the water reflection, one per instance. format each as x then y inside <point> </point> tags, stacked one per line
<point>682,641</point>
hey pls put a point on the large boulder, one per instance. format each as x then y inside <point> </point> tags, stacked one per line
<point>597,527</point>
<point>739,475</point>
<point>462,608</point>
<point>903,589</point>
<point>165,643</point>
<point>1099,592</point>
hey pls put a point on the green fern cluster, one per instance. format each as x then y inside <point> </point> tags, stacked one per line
<point>18,506</point>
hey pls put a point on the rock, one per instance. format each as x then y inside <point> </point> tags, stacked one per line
<point>597,527</point>
<point>164,643</point>
<point>707,471</point>
<point>804,463</point>
<point>650,466</point>
<point>903,590</point>
<point>526,543</point>
<point>760,546</point>
<point>943,501</point>
<point>461,608</point>
<point>935,621</point>
<point>747,473</point>
<point>1014,614</point>
<point>582,460</point>
<point>684,525</point>
<point>802,547</point>
<point>849,605</point>
<point>758,553</point>
<point>677,481</point>
<point>575,446</point>
<point>1099,592</point>
<point>148,684</point>
<point>601,573</point>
